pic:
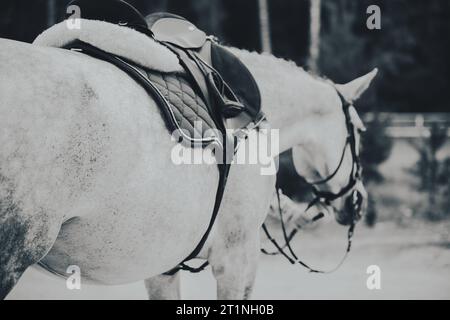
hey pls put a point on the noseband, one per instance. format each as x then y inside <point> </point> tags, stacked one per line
<point>327,197</point>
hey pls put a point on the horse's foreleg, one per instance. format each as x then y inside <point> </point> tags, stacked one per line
<point>163,287</point>
<point>234,267</point>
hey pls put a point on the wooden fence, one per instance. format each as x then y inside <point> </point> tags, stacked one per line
<point>410,125</point>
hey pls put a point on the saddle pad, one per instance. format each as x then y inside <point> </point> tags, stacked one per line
<point>188,108</point>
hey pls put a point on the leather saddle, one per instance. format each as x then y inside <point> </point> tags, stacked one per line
<point>229,78</point>
<point>229,98</point>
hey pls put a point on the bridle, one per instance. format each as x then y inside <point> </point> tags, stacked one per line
<point>327,197</point>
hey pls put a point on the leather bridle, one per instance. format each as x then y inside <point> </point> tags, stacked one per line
<point>327,197</point>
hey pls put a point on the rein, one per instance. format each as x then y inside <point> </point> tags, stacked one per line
<point>291,256</point>
<point>325,197</point>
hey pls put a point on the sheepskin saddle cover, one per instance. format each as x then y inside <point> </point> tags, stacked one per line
<point>118,40</point>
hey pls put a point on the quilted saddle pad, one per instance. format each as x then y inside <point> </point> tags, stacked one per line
<point>189,110</point>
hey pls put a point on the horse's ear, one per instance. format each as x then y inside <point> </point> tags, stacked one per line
<point>352,91</point>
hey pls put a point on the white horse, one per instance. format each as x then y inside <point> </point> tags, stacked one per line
<point>86,177</point>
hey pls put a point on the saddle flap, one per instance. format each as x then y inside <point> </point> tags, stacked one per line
<point>178,31</point>
<point>238,77</point>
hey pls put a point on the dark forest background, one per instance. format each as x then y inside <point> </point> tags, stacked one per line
<point>411,50</point>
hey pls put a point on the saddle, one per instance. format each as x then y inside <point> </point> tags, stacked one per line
<point>224,83</point>
<point>234,84</point>
<point>215,86</point>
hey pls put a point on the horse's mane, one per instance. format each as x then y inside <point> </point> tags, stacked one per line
<point>286,83</point>
<point>286,64</point>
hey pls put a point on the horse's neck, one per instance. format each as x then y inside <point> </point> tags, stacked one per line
<point>289,94</point>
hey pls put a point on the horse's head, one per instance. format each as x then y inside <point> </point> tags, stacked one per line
<point>329,156</point>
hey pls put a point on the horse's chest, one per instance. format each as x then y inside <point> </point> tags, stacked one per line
<point>248,191</point>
